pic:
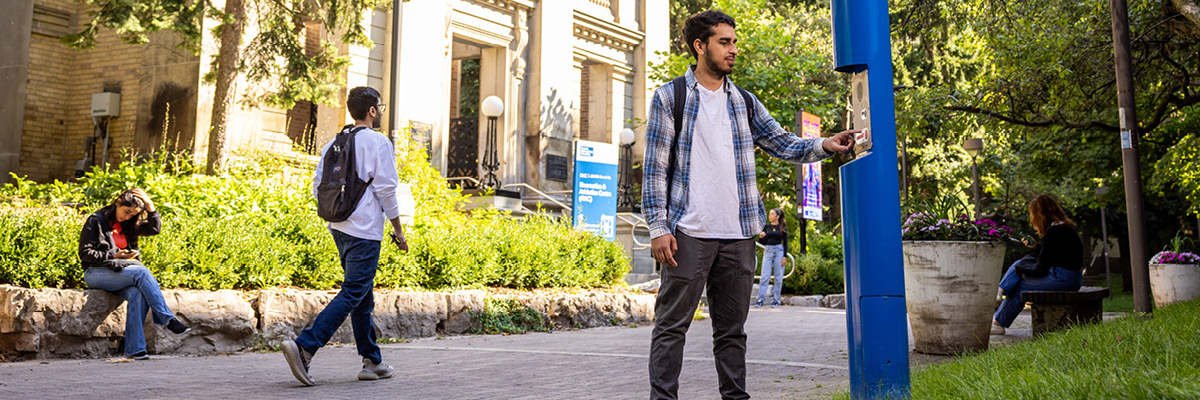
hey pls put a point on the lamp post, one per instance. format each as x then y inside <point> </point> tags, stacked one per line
<point>1101,191</point>
<point>627,140</point>
<point>974,146</point>
<point>491,108</point>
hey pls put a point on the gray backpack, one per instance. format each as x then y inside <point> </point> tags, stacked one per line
<point>340,188</point>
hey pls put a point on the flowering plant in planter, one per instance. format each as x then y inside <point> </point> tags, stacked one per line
<point>927,226</point>
<point>1174,253</point>
<point>1168,257</point>
<point>946,218</point>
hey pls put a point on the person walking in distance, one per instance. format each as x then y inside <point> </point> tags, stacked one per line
<point>702,204</point>
<point>774,239</point>
<point>358,237</point>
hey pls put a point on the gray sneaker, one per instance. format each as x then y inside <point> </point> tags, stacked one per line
<point>372,371</point>
<point>298,360</point>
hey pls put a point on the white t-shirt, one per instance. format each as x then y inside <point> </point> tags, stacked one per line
<point>374,158</point>
<point>712,202</point>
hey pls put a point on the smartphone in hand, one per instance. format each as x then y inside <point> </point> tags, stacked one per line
<point>399,242</point>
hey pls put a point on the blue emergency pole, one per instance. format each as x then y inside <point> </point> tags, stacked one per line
<point>876,319</point>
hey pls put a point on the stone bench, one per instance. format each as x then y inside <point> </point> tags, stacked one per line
<point>1057,310</point>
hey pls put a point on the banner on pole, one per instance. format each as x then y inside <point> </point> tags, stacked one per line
<point>595,202</point>
<point>810,203</point>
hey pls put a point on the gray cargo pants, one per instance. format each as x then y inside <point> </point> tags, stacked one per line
<point>727,267</point>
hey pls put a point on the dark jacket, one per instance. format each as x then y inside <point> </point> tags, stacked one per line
<point>1060,247</point>
<point>96,241</point>
<point>775,235</point>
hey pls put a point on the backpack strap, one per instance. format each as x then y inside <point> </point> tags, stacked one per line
<point>352,168</point>
<point>351,131</point>
<point>679,84</point>
<point>751,107</point>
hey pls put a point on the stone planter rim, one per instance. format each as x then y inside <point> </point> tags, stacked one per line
<point>1178,264</point>
<point>952,241</point>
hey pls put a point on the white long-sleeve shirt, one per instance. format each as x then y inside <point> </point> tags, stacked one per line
<point>374,158</point>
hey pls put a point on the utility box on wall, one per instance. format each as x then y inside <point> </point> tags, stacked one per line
<point>106,104</point>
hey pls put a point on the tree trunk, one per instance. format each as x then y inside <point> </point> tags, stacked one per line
<point>227,60</point>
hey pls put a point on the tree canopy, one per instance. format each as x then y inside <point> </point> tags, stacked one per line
<point>1035,80</point>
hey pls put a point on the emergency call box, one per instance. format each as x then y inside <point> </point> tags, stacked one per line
<point>860,117</point>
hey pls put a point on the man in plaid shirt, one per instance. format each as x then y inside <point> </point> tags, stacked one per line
<point>704,214</point>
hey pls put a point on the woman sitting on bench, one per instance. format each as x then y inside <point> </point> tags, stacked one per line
<point>1053,264</point>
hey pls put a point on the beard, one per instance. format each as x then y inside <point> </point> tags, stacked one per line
<point>377,123</point>
<point>717,65</point>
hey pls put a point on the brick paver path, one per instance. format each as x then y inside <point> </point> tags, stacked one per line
<point>794,352</point>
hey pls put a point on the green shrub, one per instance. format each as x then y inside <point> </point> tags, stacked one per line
<point>257,227</point>
<point>502,315</point>
<point>820,271</point>
<point>40,247</point>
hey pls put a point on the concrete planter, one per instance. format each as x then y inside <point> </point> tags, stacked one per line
<point>1173,283</point>
<point>950,291</point>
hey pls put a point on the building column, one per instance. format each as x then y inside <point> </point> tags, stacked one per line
<point>14,70</point>
<point>600,103</point>
<point>653,20</point>
<point>552,91</point>
<point>495,79</point>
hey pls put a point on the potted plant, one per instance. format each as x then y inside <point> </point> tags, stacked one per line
<point>1174,274</point>
<point>952,268</point>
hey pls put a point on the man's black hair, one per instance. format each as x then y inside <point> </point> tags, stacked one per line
<point>360,100</point>
<point>700,26</point>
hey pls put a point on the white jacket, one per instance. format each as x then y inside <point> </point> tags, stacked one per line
<point>375,157</point>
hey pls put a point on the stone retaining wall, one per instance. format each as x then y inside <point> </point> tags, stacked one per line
<point>53,323</point>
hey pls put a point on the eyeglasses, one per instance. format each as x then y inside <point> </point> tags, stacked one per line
<point>381,107</point>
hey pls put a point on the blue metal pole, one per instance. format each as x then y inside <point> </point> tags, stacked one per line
<point>875,313</point>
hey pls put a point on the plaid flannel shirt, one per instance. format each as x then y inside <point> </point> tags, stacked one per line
<point>663,214</point>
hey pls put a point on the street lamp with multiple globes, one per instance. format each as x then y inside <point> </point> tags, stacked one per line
<point>491,108</point>
<point>974,146</point>
<point>627,139</point>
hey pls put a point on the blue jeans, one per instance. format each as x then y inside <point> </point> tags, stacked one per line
<point>772,264</point>
<point>1013,284</point>
<point>140,290</point>
<point>360,259</point>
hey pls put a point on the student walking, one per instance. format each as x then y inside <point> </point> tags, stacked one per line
<point>702,204</point>
<point>372,162</point>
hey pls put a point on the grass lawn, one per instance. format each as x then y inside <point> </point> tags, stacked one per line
<point>1127,358</point>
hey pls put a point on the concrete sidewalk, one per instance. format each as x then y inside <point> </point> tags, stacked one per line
<point>794,352</point>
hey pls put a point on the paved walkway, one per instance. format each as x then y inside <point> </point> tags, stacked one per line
<point>794,352</point>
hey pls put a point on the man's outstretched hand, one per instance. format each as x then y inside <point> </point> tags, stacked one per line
<point>840,143</point>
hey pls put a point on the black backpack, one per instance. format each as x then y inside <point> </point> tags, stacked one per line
<point>340,188</point>
<point>679,84</point>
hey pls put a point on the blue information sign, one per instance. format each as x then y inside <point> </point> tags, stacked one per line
<point>595,195</point>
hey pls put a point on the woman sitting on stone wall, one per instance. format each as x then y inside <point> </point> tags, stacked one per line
<point>108,247</point>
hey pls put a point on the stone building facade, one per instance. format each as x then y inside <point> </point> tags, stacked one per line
<point>565,70</point>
